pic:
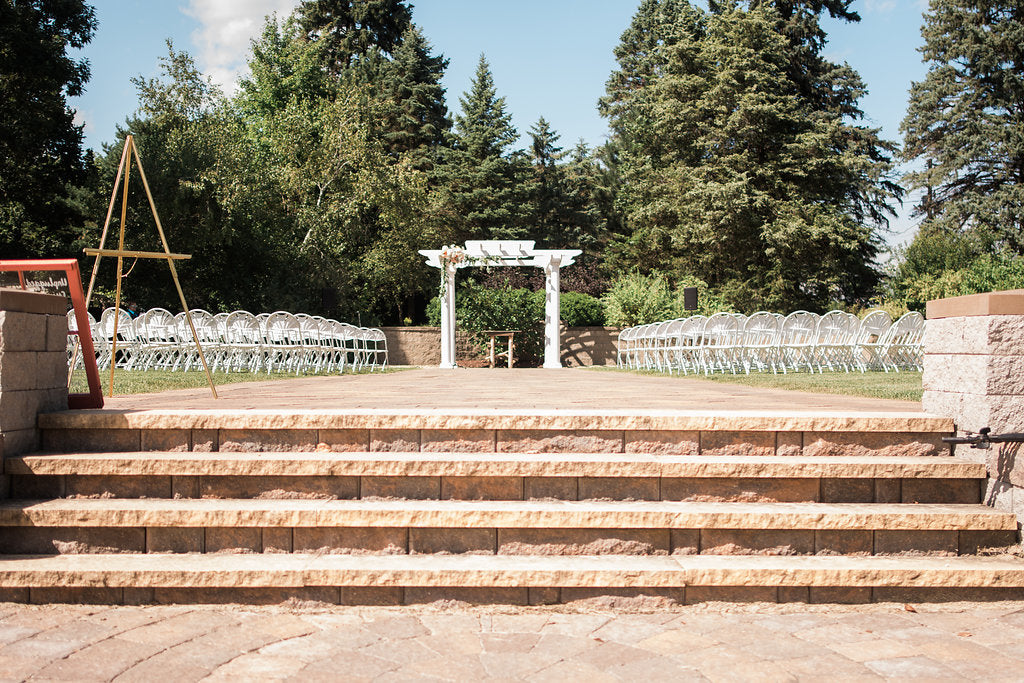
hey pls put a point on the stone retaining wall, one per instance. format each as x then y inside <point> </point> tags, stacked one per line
<point>33,366</point>
<point>974,373</point>
<point>422,345</point>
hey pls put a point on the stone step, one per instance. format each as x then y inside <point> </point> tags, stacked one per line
<point>503,431</point>
<point>509,527</point>
<point>348,579</point>
<point>498,476</point>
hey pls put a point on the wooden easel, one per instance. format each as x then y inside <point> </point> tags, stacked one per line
<point>124,166</point>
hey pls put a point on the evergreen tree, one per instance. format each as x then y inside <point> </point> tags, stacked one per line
<point>736,167</point>
<point>481,180</point>
<point>965,123</point>
<point>562,209</point>
<point>40,146</point>
<point>349,29</point>
<point>416,117</point>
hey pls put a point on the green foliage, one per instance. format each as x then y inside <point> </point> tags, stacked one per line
<point>479,308</point>
<point>415,117</point>
<point>350,29</point>
<point>965,121</point>
<point>736,158</point>
<point>636,299</point>
<point>581,310</point>
<point>985,273</point>
<point>479,179</point>
<point>41,159</point>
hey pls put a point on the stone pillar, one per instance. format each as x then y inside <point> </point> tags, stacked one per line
<point>974,373</point>
<point>33,365</point>
<point>552,313</point>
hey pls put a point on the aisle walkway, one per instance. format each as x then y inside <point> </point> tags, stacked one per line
<point>526,388</point>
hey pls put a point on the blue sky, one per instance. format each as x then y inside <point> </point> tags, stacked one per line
<point>549,58</point>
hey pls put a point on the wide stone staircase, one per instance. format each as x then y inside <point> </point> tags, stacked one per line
<point>502,506</point>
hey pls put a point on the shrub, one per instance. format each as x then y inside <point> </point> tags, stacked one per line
<point>581,310</point>
<point>637,299</point>
<point>479,308</point>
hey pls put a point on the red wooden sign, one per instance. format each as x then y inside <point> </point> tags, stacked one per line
<point>94,399</point>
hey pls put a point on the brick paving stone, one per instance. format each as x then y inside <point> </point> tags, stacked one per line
<point>829,666</point>
<point>453,623</point>
<point>103,660</point>
<point>572,670</point>
<point>610,654</point>
<point>582,625</point>
<point>508,642</point>
<point>403,653</point>
<point>397,628</point>
<point>253,667</point>
<point>863,650</point>
<point>563,645</point>
<point>770,672</point>
<point>910,667</point>
<point>460,643</point>
<point>446,669</point>
<point>631,629</point>
<point>349,663</point>
<point>513,623</point>
<point>671,642</point>
<point>515,665</point>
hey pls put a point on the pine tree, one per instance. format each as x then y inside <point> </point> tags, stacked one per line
<point>349,29</point>
<point>743,173</point>
<point>481,178</point>
<point>559,191</point>
<point>965,123</point>
<point>40,145</point>
<point>416,116</point>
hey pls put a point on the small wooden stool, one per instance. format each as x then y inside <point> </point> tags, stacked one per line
<point>493,334</point>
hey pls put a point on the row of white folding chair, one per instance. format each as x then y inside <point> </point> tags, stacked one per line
<point>801,340</point>
<point>239,340</point>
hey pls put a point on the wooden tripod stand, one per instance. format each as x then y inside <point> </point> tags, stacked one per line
<point>124,167</point>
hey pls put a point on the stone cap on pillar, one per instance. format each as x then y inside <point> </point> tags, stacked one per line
<point>1008,302</point>
<point>27,301</point>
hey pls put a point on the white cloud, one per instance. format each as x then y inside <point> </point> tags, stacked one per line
<point>879,6</point>
<point>225,29</point>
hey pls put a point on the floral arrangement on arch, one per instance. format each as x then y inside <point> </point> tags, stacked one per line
<point>452,255</point>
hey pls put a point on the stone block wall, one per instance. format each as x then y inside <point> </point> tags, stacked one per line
<point>974,373</point>
<point>33,365</point>
<point>422,345</point>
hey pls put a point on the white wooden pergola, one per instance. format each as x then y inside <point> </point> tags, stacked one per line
<point>504,253</point>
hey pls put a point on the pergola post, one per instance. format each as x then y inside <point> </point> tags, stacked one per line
<point>552,314</point>
<point>448,318</point>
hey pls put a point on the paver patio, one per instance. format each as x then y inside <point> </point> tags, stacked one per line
<point>446,641</point>
<point>519,388</point>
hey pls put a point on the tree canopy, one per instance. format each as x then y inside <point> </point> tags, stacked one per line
<point>964,126</point>
<point>740,157</point>
<point>41,154</point>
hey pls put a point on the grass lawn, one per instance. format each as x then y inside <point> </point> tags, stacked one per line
<point>151,381</point>
<point>905,386</point>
